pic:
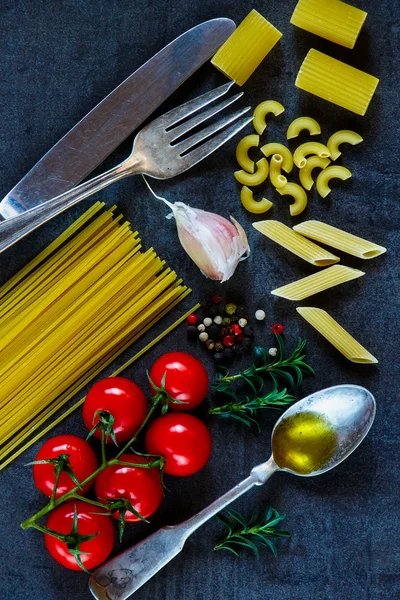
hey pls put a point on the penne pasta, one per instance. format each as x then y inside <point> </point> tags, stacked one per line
<point>275,148</point>
<point>336,82</point>
<point>339,239</point>
<point>256,178</point>
<point>332,172</point>
<point>256,207</point>
<point>333,20</point>
<point>277,179</point>
<point>301,124</point>
<point>242,151</point>
<point>248,45</point>
<point>336,335</point>
<point>318,282</point>
<point>296,243</point>
<point>262,110</point>
<point>304,150</point>
<point>305,174</point>
<point>299,195</point>
<point>342,137</point>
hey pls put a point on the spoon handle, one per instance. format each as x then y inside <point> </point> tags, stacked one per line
<point>121,576</point>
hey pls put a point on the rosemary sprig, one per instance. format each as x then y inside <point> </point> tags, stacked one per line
<point>243,534</point>
<point>289,370</point>
<point>246,411</point>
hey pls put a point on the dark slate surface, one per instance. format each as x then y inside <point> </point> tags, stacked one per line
<point>58,60</point>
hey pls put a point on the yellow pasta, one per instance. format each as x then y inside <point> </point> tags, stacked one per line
<point>275,148</point>
<point>256,207</point>
<point>339,239</point>
<point>277,179</point>
<point>299,195</point>
<point>318,282</point>
<point>301,123</point>
<point>342,137</point>
<point>242,152</point>
<point>333,172</point>
<point>262,110</point>
<point>248,45</point>
<point>305,174</point>
<point>336,82</point>
<point>336,335</point>
<point>296,243</point>
<point>256,178</point>
<point>333,20</point>
<point>304,150</point>
<point>74,311</point>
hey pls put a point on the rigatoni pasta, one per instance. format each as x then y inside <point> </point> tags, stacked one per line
<point>298,194</point>
<point>339,239</point>
<point>336,82</point>
<point>248,45</point>
<point>332,172</point>
<point>242,151</point>
<point>300,124</point>
<point>333,20</point>
<point>256,178</point>
<point>256,207</point>
<point>305,174</point>
<point>345,136</point>
<point>336,335</point>
<point>296,243</point>
<point>262,110</point>
<point>304,150</point>
<point>317,282</point>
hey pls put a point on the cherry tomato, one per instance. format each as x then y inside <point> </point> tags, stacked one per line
<point>186,379</point>
<point>123,399</point>
<point>82,460</point>
<point>142,487</point>
<point>90,521</point>
<point>183,440</point>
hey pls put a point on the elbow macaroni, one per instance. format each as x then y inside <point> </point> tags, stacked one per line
<point>301,123</point>
<point>242,151</point>
<point>299,156</point>
<point>277,179</point>
<point>262,110</point>
<point>275,148</point>
<point>256,207</point>
<point>299,195</point>
<point>305,174</point>
<point>256,178</point>
<point>333,172</point>
<point>342,137</point>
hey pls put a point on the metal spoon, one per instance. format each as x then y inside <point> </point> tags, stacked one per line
<point>350,410</point>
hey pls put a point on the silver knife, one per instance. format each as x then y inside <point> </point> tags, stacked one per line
<point>107,125</point>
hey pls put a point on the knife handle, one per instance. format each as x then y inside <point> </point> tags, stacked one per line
<point>13,230</point>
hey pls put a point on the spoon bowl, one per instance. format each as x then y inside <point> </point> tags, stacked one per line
<point>348,409</point>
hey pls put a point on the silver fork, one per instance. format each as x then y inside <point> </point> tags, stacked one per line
<point>157,152</point>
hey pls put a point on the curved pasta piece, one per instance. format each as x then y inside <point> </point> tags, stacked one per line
<point>296,243</point>
<point>305,174</point>
<point>256,178</point>
<point>276,148</point>
<point>345,136</point>
<point>301,123</point>
<point>333,172</point>
<point>317,282</point>
<point>339,239</point>
<point>299,195</point>
<point>307,148</point>
<point>277,179</point>
<point>256,207</point>
<point>242,151</point>
<point>262,110</point>
<point>336,335</point>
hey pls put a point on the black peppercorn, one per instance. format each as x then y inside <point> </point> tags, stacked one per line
<point>192,332</point>
<point>224,331</point>
<point>213,332</point>
<point>206,304</point>
<point>246,344</point>
<point>228,354</point>
<point>213,310</point>
<point>241,311</point>
<point>219,347</point>
<point>218,356</point>
<point>237,349</point>
<point>247,331</point>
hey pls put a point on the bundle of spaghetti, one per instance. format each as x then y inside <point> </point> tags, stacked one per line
<point>71,311</point>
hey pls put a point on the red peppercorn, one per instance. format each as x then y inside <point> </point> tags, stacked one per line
<point>277,328</point>
<point>216,299</point>
<point>228,341</point>
<point>192,319</point>
<point>235,329</point>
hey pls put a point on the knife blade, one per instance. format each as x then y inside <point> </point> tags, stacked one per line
<point>107,125</point>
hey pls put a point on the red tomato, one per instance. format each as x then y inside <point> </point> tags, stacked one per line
<point>89,521</point>
<point>186,379</point>
<point>82,459</point>
<point>183,440</point>
<point>120,397</point>
<point>142,487</point>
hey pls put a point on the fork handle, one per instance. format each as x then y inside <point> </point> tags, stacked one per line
<point>14,229</point>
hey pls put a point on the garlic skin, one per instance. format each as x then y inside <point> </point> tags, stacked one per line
<point>215,244</point>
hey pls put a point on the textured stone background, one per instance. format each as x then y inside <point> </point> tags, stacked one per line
<point>58,59</point>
